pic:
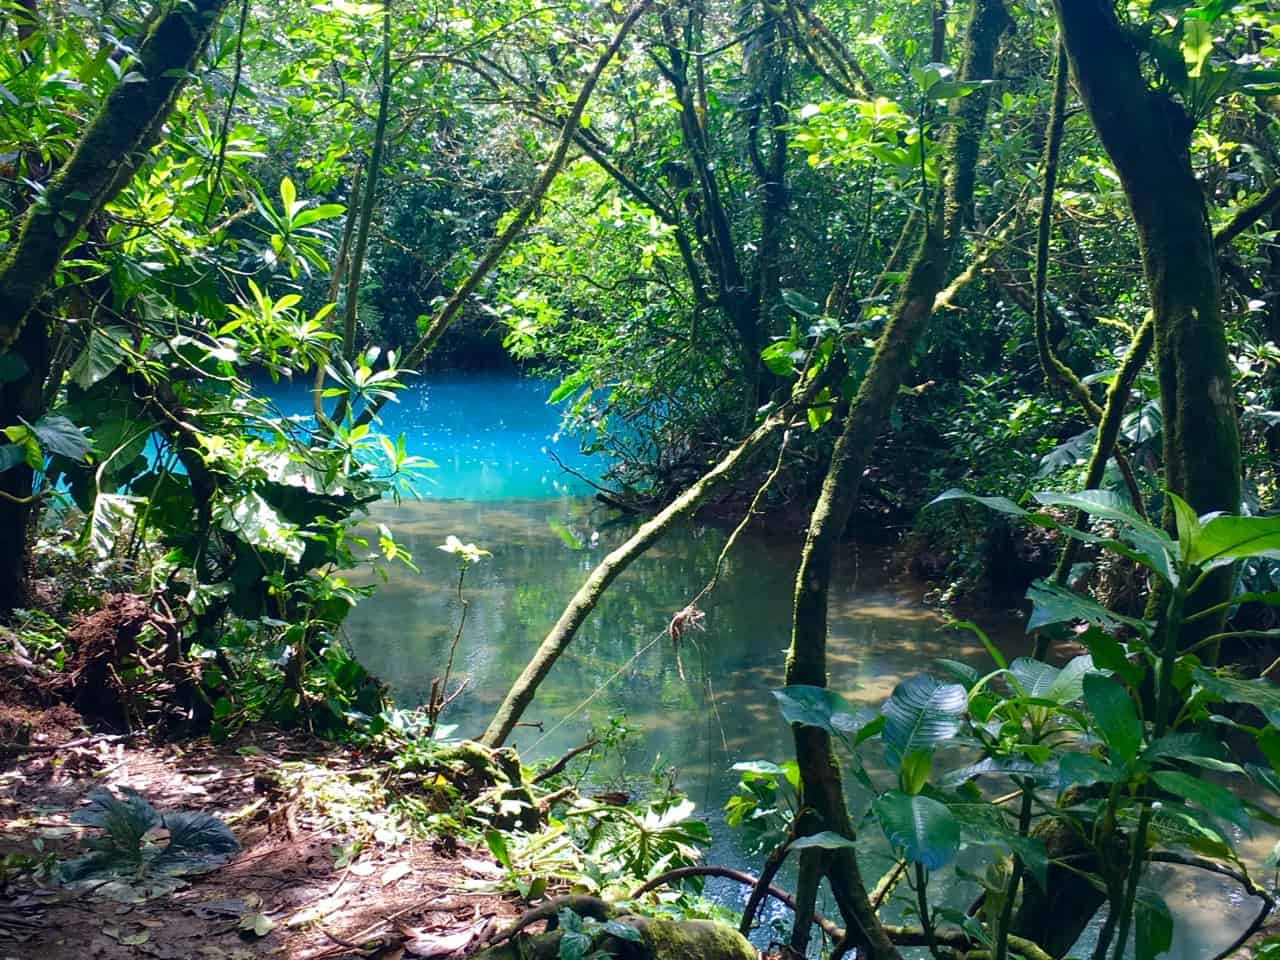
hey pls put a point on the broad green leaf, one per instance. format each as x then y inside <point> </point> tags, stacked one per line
<point>102,353</point>
<point>1043,773</point>
<point>826,840</point>
<point>1196,45</point>
<point>1174,827</point>
<point>999,504</point>
<point>623,931</point>
<point>1114,715</point>
<point>568,385</point>
<point>801,304</point>
<point>59,435</point>
<point>1188,746</point>
<point>919,714</point>
<point>1051,603</point>
<point>924,829</point>
<point>1084,769</point>
<point>258,524</point>
<point>1188,524</point>
<point>1225,538</point>
<point>1152,925</point>
<point>111,513</point>
<point>288,194</point>
<point>1210,797</point>
<point>1260,693</point>
<point>821,707</point>
<point>1034,678</point>
<point>325,211</point>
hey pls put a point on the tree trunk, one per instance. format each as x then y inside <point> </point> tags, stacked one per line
<point>822,790</point>
<point>1147,136</point>
<point>109,151</point>
<point>584,601</point>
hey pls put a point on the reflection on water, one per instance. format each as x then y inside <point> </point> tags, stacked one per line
<point>723,713</point>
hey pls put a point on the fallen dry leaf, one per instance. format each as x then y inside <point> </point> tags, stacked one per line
<point>432,946</point>
<point>396,871</point>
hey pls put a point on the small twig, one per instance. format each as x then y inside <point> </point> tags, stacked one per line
<point>612,497</point>
<point>564,761</point>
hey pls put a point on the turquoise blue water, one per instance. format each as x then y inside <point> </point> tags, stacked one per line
<point>489,435</point>
<point>496,485</point>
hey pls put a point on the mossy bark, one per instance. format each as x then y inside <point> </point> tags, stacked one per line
<point>659,940</point>
<point>822,792</point>
<point>106,156</point>
<point>1147,136</point>
<point>584,601</point>
<point>119,135</point>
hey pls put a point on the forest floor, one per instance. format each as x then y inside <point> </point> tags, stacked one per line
<point>317,875</point>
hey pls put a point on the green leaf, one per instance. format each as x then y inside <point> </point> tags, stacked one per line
<point>111,513</point>
<point>568,386</point>
<point>325,211</point>
<point>1084,769</point>
<point>1051,603</point>
<point>623,931</point>
<point>919,714</point>
<point>101,355</point>
<point>59,435</point>
<point>826,840</point>
<point>1114,715</point>
<point>258,524</point>
<point>924,829</point>
<point>1189,746</point>
<point>801,304</point>
<point>497,844</point>
<point>1210,797</point>
<point>12,455</point>
<point>198,842</point>
<point>821,707</point>
<point>1196,45</point>
<point>1188,523</point>
<point>1260,693</point>
<point>1224,539</point>
<point>1043,773</point>
<point>288,194</point>
<point>1152,925</point>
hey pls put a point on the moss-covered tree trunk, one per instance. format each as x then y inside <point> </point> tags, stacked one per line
<point>584,601</point>
<point>111,148</point>
<point>822,790</point>
<point>1147,136</point>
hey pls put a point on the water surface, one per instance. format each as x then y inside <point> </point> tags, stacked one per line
<point>497,487</point>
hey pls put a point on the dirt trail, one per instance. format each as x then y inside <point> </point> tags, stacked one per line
<point>290,884</point>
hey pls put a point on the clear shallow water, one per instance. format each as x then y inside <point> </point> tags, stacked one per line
<point>488,435</point>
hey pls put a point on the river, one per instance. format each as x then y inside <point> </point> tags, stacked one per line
<point>495,485</point>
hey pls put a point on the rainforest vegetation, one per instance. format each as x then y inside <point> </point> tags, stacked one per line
<point>989,286</point>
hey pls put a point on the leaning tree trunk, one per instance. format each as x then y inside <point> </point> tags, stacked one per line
<point>822,789</point>
<point>109,151</point>
<point>1147,136</point>
<point>584,601</point>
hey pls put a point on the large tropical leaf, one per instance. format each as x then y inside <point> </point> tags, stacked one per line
<point>920,713</point>
<point>821,707</point>
<point>1114,715</point>
<point>102,354</point>
<point>1224,539</point>
<point>1260,693</point>
<point>1213,799</point>
<point>924,829</point>
<point>1152,925</point>
<point>1051,603</point>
